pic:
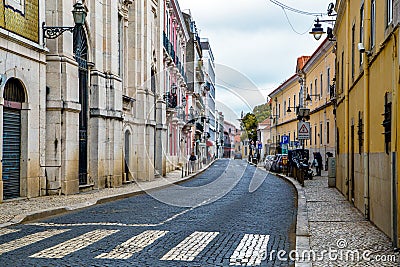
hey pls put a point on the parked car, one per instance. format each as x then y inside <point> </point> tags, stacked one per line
<point>268,161</point>
<point>279,163</point>
<point>237,156</point>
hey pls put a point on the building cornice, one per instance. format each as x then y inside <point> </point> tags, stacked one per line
<point>319,53</point>
<point>182,23</point>
<point>340,9</point>
<point>283,86</point>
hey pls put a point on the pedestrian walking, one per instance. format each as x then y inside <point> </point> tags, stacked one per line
<point>317,163</point>
<point>192,161</point>
<point>314,163</point>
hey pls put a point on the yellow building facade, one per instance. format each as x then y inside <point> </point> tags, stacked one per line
<point>367,114</point>
<point>314,78</point>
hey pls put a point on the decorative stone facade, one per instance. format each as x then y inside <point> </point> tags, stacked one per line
<point>22,92</point>
<point>96,104</point>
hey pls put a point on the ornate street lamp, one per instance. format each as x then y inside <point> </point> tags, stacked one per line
<point>317,31</point>
<point>79,13</point>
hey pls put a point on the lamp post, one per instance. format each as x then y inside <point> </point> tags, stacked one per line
<point>79,13</point>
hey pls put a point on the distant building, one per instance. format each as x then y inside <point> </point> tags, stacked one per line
<point>264,136</point>
<point>209,85</point>
<point>229,139</point>
<point>219,134</point>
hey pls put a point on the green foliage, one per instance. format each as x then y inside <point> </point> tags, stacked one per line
<point>262,112</point>
<point>249,124</point>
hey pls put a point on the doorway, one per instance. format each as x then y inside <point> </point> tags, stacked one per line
<point>352,172</point>
<point>80,53</point>
<point>14,96</point>
<point>127,154</point>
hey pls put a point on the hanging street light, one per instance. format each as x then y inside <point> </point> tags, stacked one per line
<point>317,31</point>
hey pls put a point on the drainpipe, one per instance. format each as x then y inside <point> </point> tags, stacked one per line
<point>346,104</point>
<point>397,139</point>
<point>395,123</point>
<point>367,26</point>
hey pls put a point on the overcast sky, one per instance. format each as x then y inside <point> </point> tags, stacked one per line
<point>254,46</point>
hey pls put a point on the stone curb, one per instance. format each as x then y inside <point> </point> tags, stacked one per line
<point>35,215</point>
<point>302,225</point>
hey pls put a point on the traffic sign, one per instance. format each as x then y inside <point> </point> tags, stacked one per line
<point>284,148</point>
<point>285,139</point>
<point>259,146</point>
<point>303,130</point>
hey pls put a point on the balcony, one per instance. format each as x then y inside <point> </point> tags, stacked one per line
<point>172,100</point>
<point>169,48</point>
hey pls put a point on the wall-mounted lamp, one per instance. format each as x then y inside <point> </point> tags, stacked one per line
<point>289,109</point>
<point>79,13</point>
<point>317,31</point>
<point>271,117</point>
<point>308,98</point>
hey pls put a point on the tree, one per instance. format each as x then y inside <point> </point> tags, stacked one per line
<point>249,124</point>
<point>262,112</point>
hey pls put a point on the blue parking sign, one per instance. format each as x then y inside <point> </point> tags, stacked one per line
<point>285,139</point>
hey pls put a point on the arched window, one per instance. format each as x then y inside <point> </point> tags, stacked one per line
<point>14,91</point>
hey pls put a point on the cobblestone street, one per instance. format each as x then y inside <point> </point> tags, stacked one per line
<point>241,227</point>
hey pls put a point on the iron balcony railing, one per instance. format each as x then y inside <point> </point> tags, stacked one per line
<point>170,50</point>
<point>169,47</point>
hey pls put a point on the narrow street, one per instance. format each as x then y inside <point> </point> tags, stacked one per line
<point>236,228</point>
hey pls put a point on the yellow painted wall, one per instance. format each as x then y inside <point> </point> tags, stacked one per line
<point>282,125</point>
<point>321,107</point>
<point>382,78</point>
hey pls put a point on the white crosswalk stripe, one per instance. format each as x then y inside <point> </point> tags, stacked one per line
<point>250,251</point>
<point>7,231</point>
<point>133,245</point>
<point>73,245</point>
<point>28,240</point>
<point>190,247</point>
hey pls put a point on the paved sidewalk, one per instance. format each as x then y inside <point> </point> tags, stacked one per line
<point>21,210</point>
<point>335,225</point>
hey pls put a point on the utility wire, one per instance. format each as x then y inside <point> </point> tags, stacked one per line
<point>286,7</point>
<point>291,25</point>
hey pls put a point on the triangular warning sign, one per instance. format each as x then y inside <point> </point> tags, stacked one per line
<point>303,129</point>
